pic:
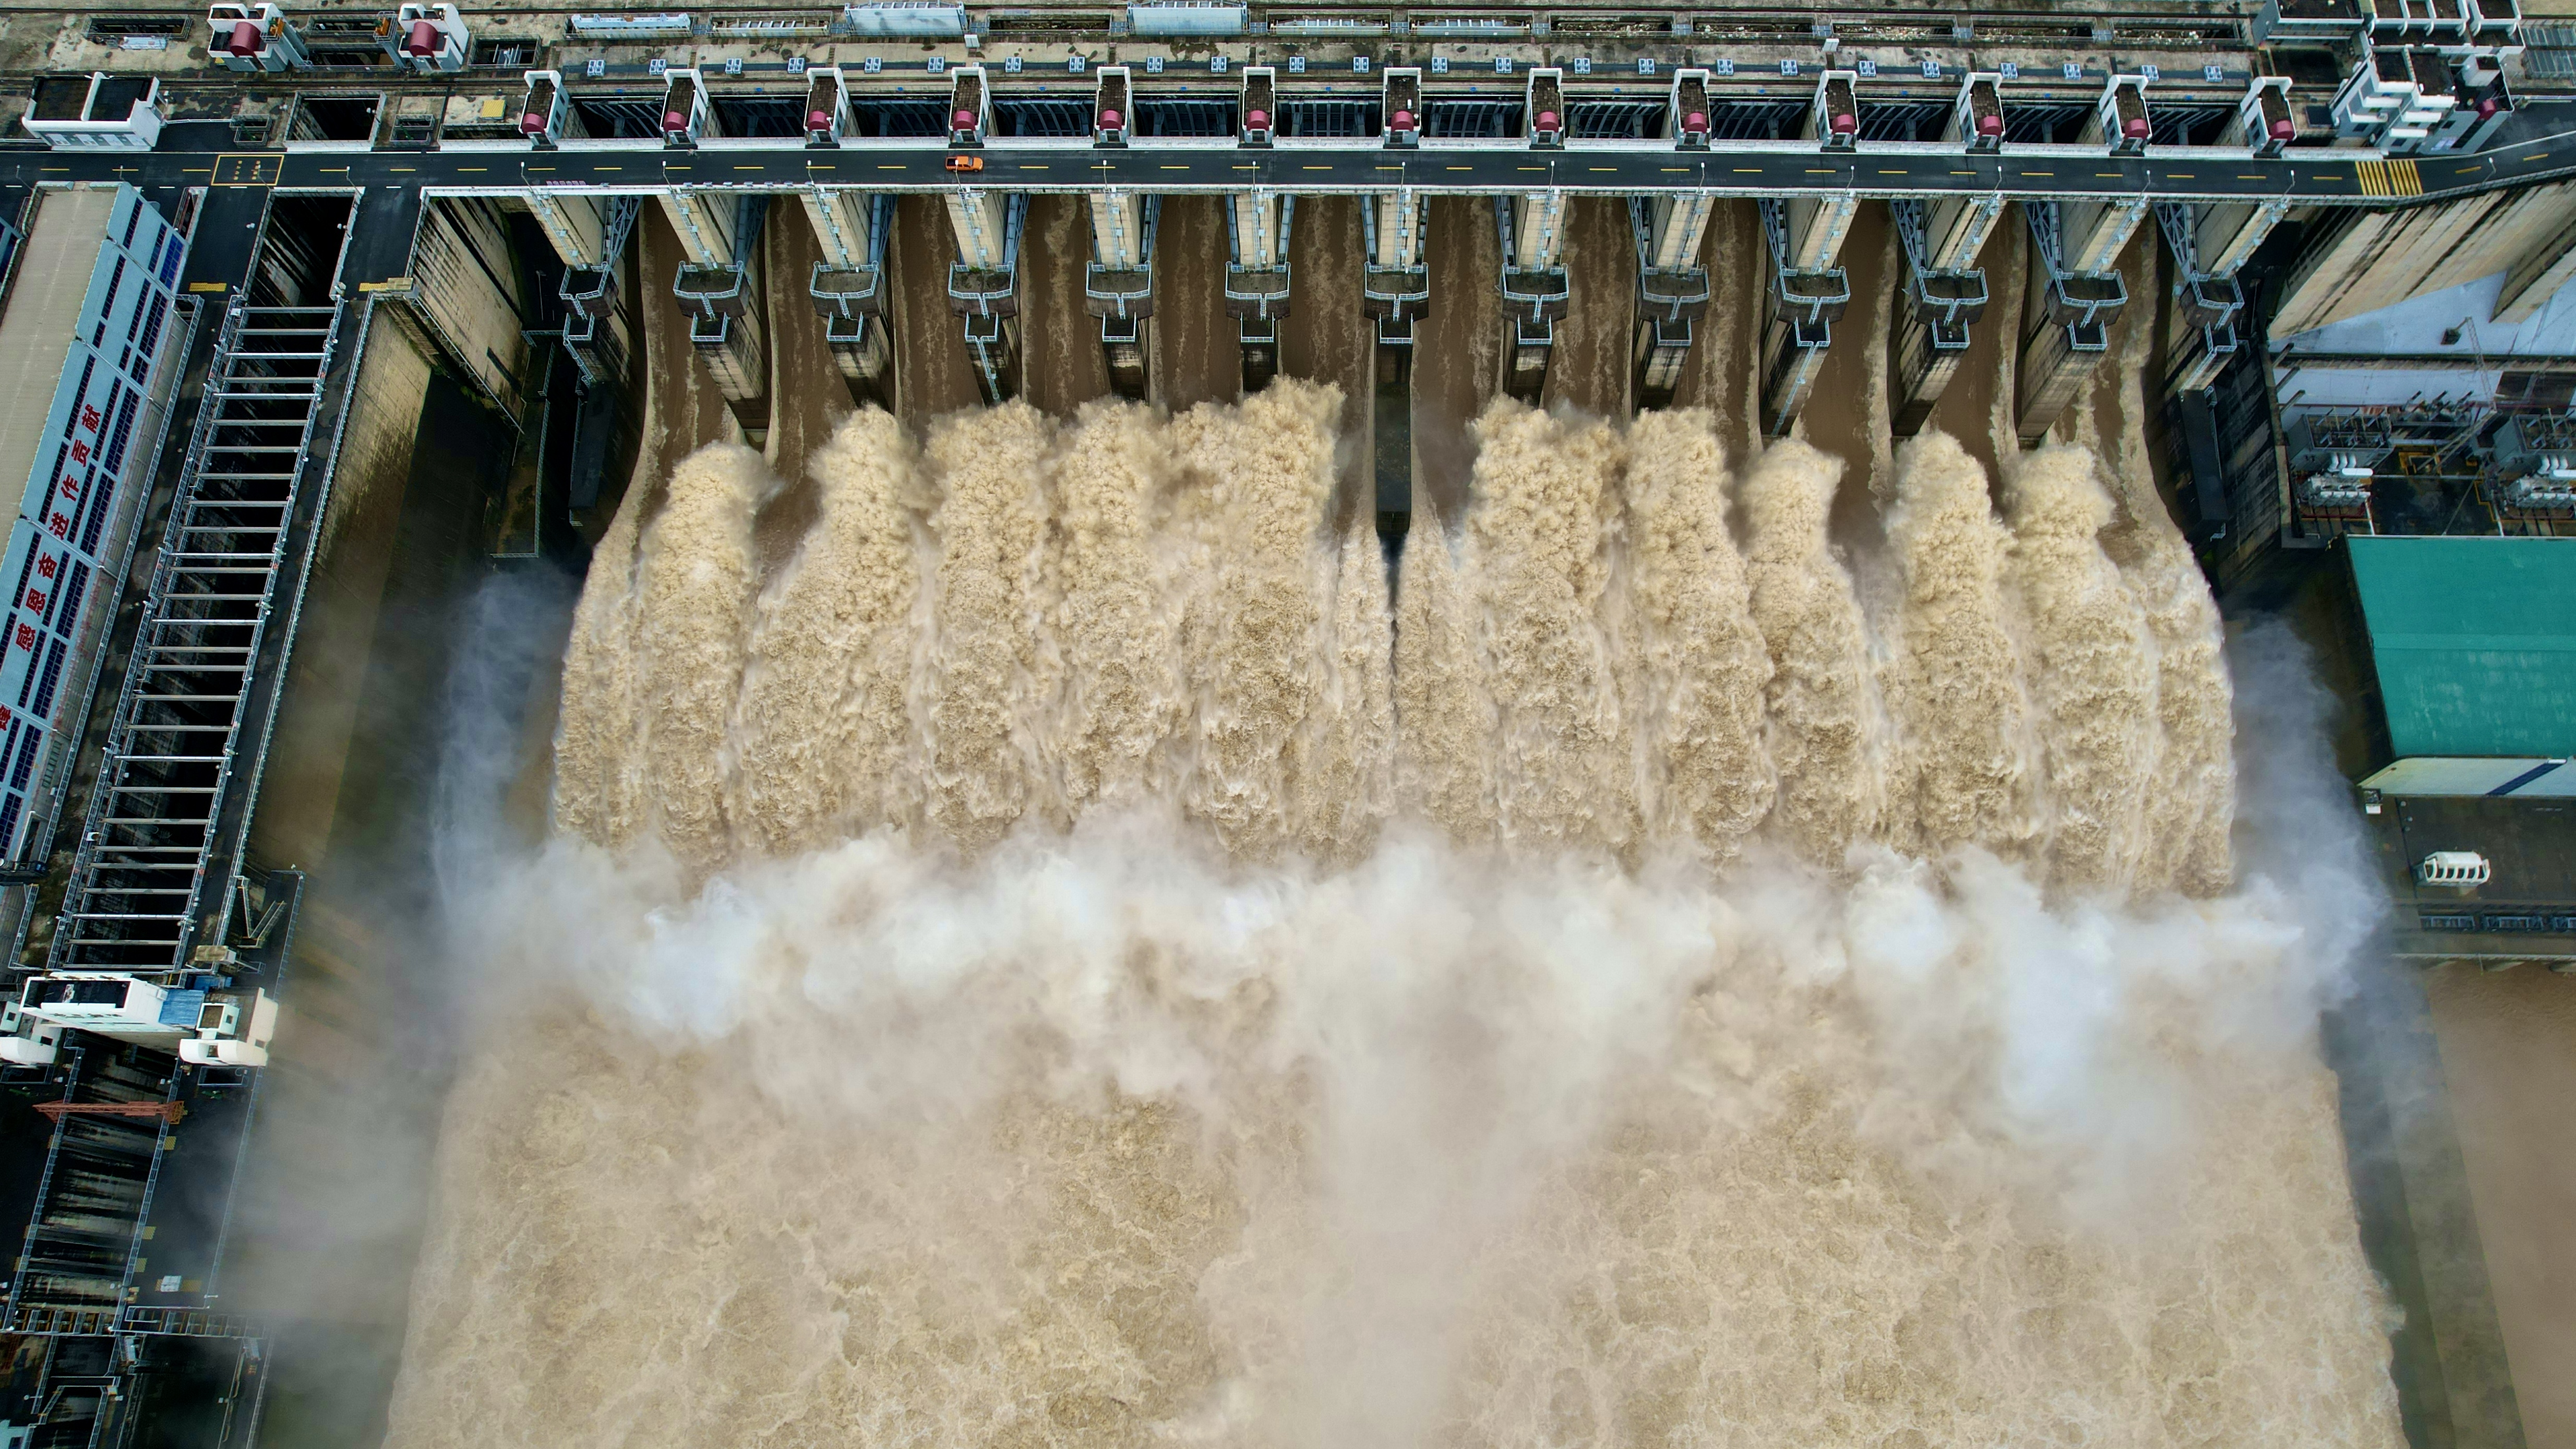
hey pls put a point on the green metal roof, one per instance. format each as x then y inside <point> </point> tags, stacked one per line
<point>2475,641</point>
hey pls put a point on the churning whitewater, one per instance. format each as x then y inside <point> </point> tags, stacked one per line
<point>1075,957</point>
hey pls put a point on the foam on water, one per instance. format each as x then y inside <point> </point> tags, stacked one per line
<point>1068,964</point>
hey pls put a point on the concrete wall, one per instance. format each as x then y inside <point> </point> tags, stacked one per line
<point>2508,1044</point>
<point>2377,259</point>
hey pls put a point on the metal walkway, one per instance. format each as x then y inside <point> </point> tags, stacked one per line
<point>140,879</point>
<point>82,1240</point>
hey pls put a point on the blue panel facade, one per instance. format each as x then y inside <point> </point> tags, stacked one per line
<point>64,555</point>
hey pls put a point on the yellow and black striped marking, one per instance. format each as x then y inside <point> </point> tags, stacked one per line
<point>2389,178</point>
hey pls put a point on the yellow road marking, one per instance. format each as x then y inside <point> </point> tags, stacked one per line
<point>1605,170</point>
<point>608,168</point>
<point>1885,171</point>
<point>243,170</point>
<point>1453,168</point>
<point>1748,170</point>
<point>1820,171</point>
<point>2114,175</point>
<point>2039,173</point>
<point>2246,176</point>
<point>460,168</point>
<point>2389,178</point>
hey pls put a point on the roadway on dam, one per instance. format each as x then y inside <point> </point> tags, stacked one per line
<point>1748,168</point>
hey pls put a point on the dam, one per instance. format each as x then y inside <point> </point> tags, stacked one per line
<point>1184,723</point>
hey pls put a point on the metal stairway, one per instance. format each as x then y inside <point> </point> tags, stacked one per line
<point>81,1241</point>
<point>139,881</point>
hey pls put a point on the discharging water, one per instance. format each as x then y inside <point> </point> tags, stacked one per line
<point>1075,957</point>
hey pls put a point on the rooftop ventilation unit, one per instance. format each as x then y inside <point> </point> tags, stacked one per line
<point>428,38</point>
<point>1546,107</point>
<point>1977,117</point>
<point>686,117</point>
<point>970,106</point>
<point>2460,869</point>
<point>1113,108</point>
<point>827,107</point>
<point>1833,121</point>
<point>2264,122</point>
<point>546,115</point>
<point>2120,123</point>
<point>254,38</point>
<point>1403,105</point>
<point>1689,109</point>
<point>1260,106</point>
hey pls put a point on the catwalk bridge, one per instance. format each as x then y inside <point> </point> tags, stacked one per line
<point>1739,168</point>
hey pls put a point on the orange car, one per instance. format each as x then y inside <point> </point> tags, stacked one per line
<point>965,163</point>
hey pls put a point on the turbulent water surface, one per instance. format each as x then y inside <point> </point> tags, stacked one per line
<point>1069,959</point>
